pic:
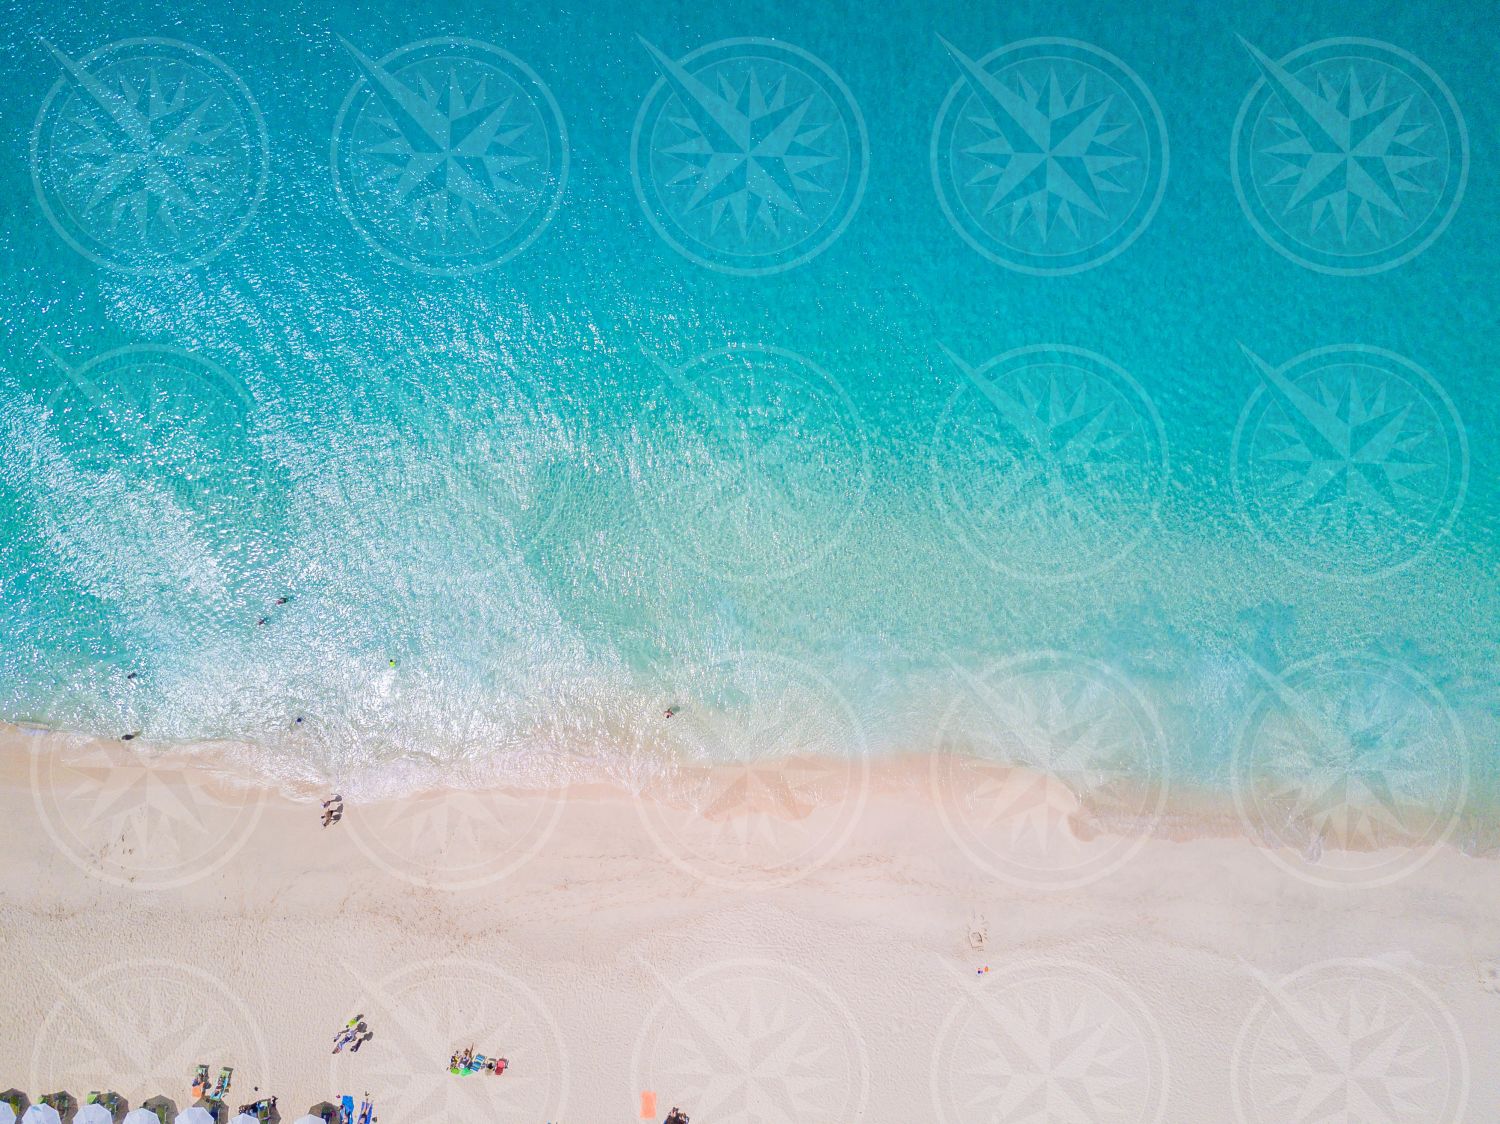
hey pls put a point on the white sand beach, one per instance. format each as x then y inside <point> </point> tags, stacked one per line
<point>861,960</point>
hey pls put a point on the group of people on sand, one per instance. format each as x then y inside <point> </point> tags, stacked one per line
<point>676,1116</point>
<point>466,1061</point>
<point>354,1035</point>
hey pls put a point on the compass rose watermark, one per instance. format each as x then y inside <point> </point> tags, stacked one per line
<point>148,155</point>
<point>471,442</point>
<point>1049,463</point>
<point>162,410</point>
<point>449,155</point>
<point>1349,156</point>
<point>164,444</point>
<point>749,156</point>
<point>772,777</point>
<point>753,1042</point>
<point>1049,156</point>
<point>1051,770</point>
<point>421,1014</point>
<point>1349,1040</point>
<point>756,464</point>
<point>1351,771</point>
<point>135,820</point>
<point>143,1024</point>
<point>1348,462</point>
<point>455,840</point>
<point>1049,1040</point>
<point>461,838</point>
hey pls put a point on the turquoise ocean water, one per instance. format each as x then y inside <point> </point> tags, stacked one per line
<point>816,509</point>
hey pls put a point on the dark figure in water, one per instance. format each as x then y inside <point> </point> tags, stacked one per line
<point>130,737</point>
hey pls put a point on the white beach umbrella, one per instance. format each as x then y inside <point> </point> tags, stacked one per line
<point>41,1114</point>
<point>141,1116</point>
<point>93,1114</point>
<point>308,1120</point>
<point>194,1115</point>
<point>8,1114</point>
<point>242,1118</point>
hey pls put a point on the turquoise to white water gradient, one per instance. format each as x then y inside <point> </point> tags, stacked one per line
<point>627,468</point>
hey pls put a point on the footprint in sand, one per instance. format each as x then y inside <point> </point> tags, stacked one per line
<point>979,932</point>
<point>1489,977</point>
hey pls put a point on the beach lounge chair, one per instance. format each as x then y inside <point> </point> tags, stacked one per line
<point>200,1082</point>
<point>113,1103</point>
<point>366,1111</point>
<point>346,1110</point>
<point>18,1101</point>
<point>221,1086</point>
<point>258,1112</point>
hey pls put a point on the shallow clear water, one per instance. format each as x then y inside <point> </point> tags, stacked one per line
<point>829,508</point>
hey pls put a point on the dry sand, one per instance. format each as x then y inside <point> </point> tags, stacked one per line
<point>886,956</point>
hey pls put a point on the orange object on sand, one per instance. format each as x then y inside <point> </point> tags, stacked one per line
<point>648,1106</point>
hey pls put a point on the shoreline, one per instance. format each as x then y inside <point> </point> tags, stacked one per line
<point>1173,810</point>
